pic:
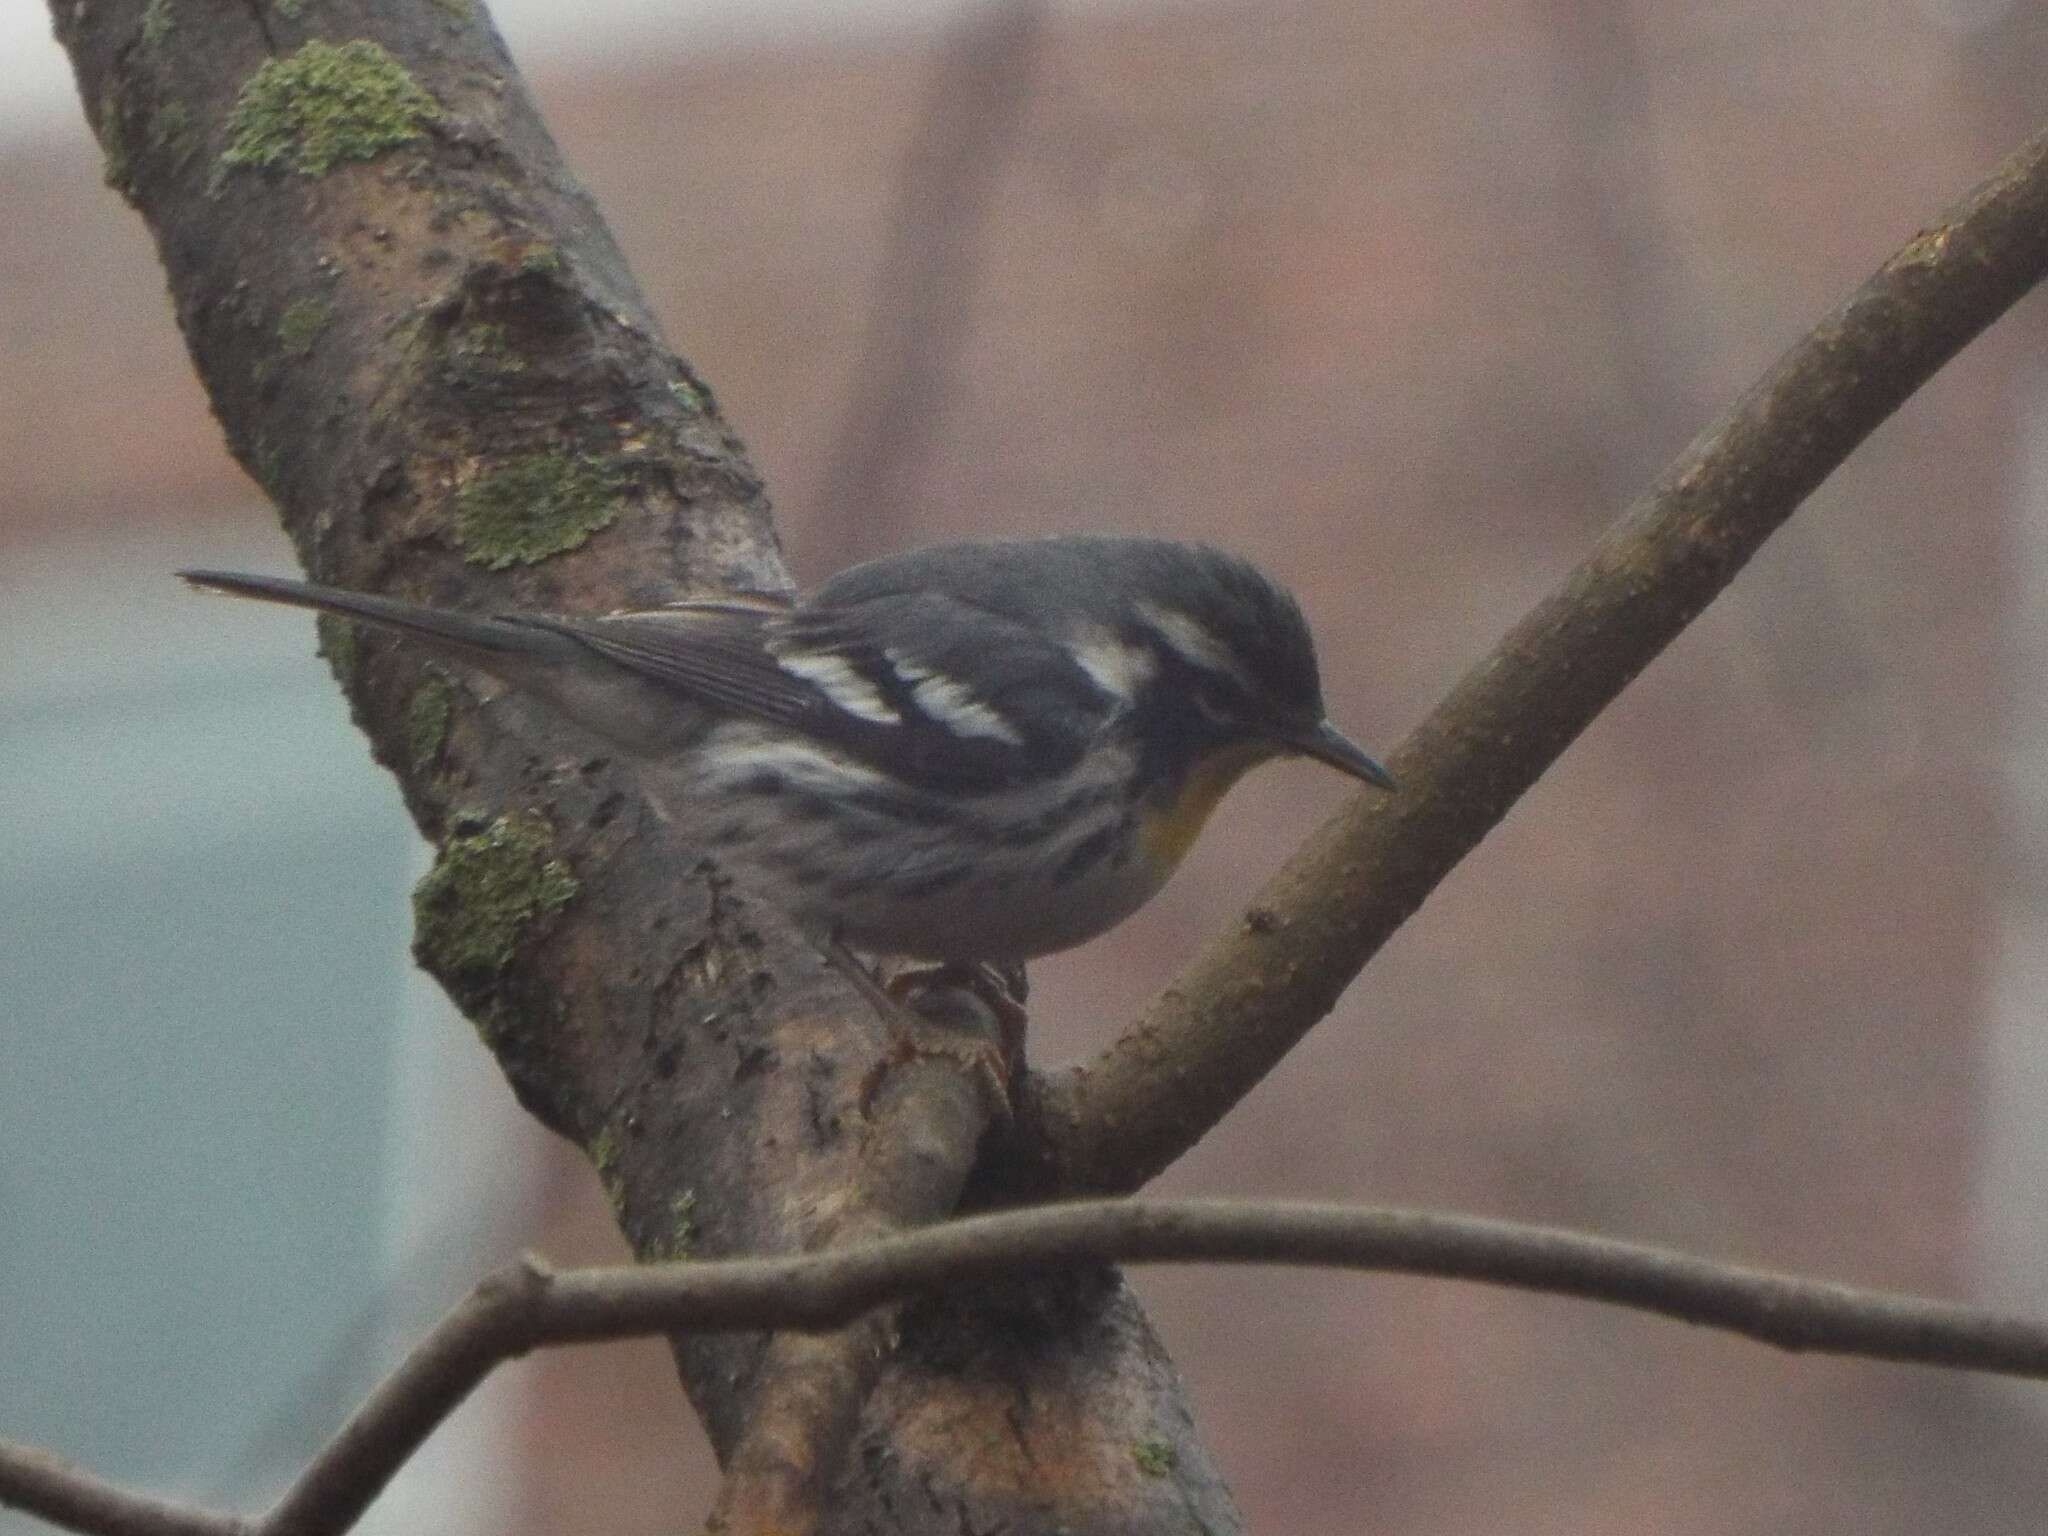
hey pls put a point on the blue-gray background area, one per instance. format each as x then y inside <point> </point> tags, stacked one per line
<point>203,928</point>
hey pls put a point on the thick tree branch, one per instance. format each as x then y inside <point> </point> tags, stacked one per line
<point>1229,1018</point>
<point>529,1307</point>
<point>924,1129</point>
<point>422,341</point>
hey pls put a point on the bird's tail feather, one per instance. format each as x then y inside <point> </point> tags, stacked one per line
<point>478,634</point>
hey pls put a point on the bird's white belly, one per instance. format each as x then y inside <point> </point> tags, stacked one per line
<point>962,887</point>
<point>981,921</point>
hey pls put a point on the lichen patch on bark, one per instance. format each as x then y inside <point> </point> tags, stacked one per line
<point>312,109</point>
<point>483,893</point>
<point>522,512</point>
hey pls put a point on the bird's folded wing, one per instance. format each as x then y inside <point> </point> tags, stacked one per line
<point>958,701</point>
<point>715,654</point>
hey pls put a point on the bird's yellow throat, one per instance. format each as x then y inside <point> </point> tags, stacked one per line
<point>1170,829</point>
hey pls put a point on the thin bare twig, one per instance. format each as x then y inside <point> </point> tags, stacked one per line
<point>1249,997</point>
<point>69,1496</point>
<point>528,1307</point>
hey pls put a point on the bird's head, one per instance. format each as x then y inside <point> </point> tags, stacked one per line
<point>1220,672</point>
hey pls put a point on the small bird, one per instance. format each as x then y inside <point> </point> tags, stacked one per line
<point>972,753</point>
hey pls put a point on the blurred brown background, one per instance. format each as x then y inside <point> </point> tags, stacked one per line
<point>1405,300</point>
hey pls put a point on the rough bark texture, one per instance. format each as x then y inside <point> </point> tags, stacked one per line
<point>422,342</point>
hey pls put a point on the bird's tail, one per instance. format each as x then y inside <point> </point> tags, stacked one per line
<point>479,635</point>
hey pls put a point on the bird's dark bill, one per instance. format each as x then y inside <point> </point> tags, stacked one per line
<point>1327,744</point>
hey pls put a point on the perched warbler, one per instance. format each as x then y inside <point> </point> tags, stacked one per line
<point>973,753</point>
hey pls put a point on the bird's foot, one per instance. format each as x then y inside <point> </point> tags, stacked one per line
<point>924,1014</point>
<point>1002,990</point>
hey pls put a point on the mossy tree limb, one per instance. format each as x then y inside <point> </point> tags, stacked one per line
<point>397,297</point>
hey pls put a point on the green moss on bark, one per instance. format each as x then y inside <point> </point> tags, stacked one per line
<point>1155,1458</point>
<point>482,353</point>
<point>485,891</point>
<point>427,716</point>
<point>310,110</point>
<point>157,22</point>
<point>171,130</point>
<point>301,325</point>
<point>338,642</point>
<point>681,1237</point>
<point>114,145</point>
<point>530,508</point>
